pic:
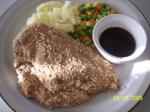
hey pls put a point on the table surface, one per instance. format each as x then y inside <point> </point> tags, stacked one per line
<point>144,7</point>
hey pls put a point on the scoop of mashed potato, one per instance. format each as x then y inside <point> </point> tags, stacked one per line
<point>54,13</point>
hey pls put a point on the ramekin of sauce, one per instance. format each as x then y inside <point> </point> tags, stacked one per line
<point>119,38</point>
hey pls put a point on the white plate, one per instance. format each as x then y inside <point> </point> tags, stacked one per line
<point>133,75</point>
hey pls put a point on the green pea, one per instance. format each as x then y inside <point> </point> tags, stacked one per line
<point>91,7</point>
<point>83,10</point>
<point>104,12</point>
<point>86,32</point>
<point>88,17</point>
<point>87,43</point>
<point>82,33</point>
<point>95,17</point>
<point>108,8</point>
<point>82,5</point>
<point>90,31</point>
<point>92,26</point>
<point>74,35</point>
<point>92,10</point>
<point>100,17</point>
<point>104,5</point>
<point>84,28</point>
<point>83,18</point>
<point>77,29</point>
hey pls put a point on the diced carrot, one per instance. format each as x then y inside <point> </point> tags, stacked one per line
<point>96,11</point>
<point>86,38</point>
<point>92,20</point>
<point>81,37</point>
<point>95,4</point>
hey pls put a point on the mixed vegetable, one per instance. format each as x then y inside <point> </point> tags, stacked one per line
<point>89,14</point>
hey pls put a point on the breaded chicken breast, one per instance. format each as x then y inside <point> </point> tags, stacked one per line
<point>58,71</point>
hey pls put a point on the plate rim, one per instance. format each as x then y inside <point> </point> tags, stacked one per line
<point>20,1</point>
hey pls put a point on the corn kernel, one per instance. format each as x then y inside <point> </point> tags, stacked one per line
<point>83,23</point>
<point>113,11</point>
<point>78,7</point>
<point>88,5</point>
<point>88,23</point>
<point>89,13</point>
<point>86,38</point>
<point>97,5</point>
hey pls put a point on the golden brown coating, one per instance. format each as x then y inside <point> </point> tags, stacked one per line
<point>58,71</point>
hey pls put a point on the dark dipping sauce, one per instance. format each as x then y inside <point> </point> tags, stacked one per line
<point>117,41</point>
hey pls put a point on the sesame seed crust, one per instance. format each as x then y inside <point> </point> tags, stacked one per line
<point>58,71</point>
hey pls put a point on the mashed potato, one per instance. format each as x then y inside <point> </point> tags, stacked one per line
<point>62,17</point>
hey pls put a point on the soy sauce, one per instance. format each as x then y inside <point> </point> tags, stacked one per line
<point>117,41</point>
